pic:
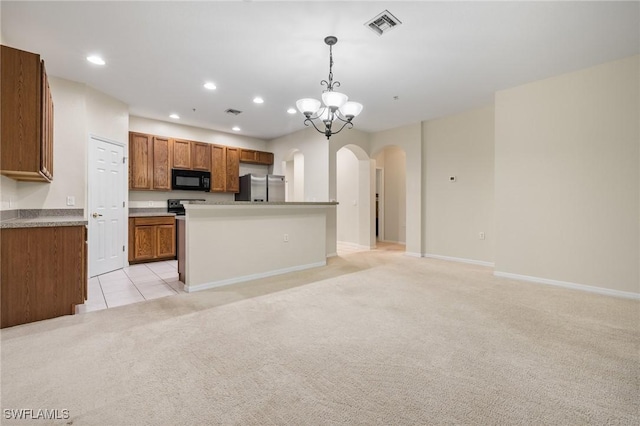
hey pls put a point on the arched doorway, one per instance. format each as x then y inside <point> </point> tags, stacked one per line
<point>293,166</point>
<point>391,195</point>
<point>354,193</point>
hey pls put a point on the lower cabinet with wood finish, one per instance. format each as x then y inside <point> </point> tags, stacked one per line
<point>152,238</point>
<point>44,272</point>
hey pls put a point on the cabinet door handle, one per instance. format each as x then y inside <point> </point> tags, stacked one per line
<point>96,215</point>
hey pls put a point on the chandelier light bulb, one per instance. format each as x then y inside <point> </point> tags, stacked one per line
<point>334,99</point>
<point>308,106</point>
<point>351,109</point>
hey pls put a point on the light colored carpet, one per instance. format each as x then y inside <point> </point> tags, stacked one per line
<point>373,338</point>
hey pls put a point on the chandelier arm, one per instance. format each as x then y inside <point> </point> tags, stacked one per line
<point>339,116</point>
<point>308,120</point>
<point>346,123</point>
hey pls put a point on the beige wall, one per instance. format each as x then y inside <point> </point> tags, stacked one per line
<point>456,212</point>
<point>177,130</point>
<point>79,111</point>
<point>70,139</point>
<point>393,161</point>
<point>567,185</point>
<point>348,189</point>
<point>315,149</point>
<point>8,193</point>
<point>409,139</point>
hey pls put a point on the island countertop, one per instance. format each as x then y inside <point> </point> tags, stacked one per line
<point>229,242</point>
<point>262,203</point>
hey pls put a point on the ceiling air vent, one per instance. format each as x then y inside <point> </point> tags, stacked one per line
<point>233,111</point>
<point>383,23</point>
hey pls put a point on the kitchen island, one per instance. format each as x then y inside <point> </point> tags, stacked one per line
<point>230,242</point>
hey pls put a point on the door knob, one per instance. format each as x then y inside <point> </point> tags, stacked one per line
<point>96,215</point>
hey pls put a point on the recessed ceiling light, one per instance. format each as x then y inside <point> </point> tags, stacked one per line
<point>258,100</point>
<point>291,111</point>
<point>175,116</point>
<point>235,128</point>
<point>96,60</point>
<point>210,86</point>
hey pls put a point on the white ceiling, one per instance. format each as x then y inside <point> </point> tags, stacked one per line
<point>445,57</point>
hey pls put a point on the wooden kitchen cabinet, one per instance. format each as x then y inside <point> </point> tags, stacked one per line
<point>152,238</point>
<point>140,161</point>
<point>181,154</point>
<point>43,272</point>
<point>26,119</point>
<point>256,157</point>
<point>161,163</point>
<point>233,170</point>
<point>149,162</point>
<point>201,156</point>
<point>248,156</point>
<point>265,157</point>
<point>218,168</point>
<point>191,155</point>
<point>225,169</point>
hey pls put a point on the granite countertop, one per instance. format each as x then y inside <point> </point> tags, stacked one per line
<point>43,222</point>
<point>151,214</point>
<point>263,203</point>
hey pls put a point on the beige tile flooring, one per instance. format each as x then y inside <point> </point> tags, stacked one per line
<point>147,281</point>
<point>132,284</point>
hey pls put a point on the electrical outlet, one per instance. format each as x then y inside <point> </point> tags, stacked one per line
<point>10,202</point>
<point>150,203</point>
<point>71,200</point>
<point>481,235</point>
<point>285,238</point>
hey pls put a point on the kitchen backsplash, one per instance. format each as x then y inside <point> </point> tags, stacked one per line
<point>155,199</point>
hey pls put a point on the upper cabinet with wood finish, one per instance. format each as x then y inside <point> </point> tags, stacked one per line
<point>233,170</point>
<point>151,159</point>
<point>26,119</point>
<point>161,163</point>
<point>201,156</point>
<point>218,168</point>
<point>181,154</point>
<point>140,161</point>
<point>149,162</point>
<point>225,166</point>
<point>191,155</point>
<point>256,157</point>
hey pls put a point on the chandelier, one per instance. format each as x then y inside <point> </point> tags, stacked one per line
<point>336,106</point>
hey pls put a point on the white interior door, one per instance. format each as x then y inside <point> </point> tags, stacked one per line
<point>106,206</point>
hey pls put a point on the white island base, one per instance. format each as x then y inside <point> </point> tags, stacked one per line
<point>227,243</point>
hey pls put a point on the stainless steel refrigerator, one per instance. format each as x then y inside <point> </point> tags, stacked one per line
<point>260,188</point>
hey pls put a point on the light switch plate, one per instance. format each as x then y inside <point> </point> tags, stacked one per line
<point>71,200</point>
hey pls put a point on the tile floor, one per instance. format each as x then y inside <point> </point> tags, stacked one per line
<point>132,284</point>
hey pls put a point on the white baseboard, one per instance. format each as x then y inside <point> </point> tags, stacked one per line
<point>566,284</point>
<point>392,242</point>
<point>332,254</point>
<point>460,259</point>
<point>214,284</point>
<point>354,246</point>
<point>412,254</point>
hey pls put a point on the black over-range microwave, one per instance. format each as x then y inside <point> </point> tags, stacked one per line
<point>190,180</point>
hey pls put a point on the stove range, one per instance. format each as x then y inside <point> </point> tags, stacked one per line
<point>175,205</point>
